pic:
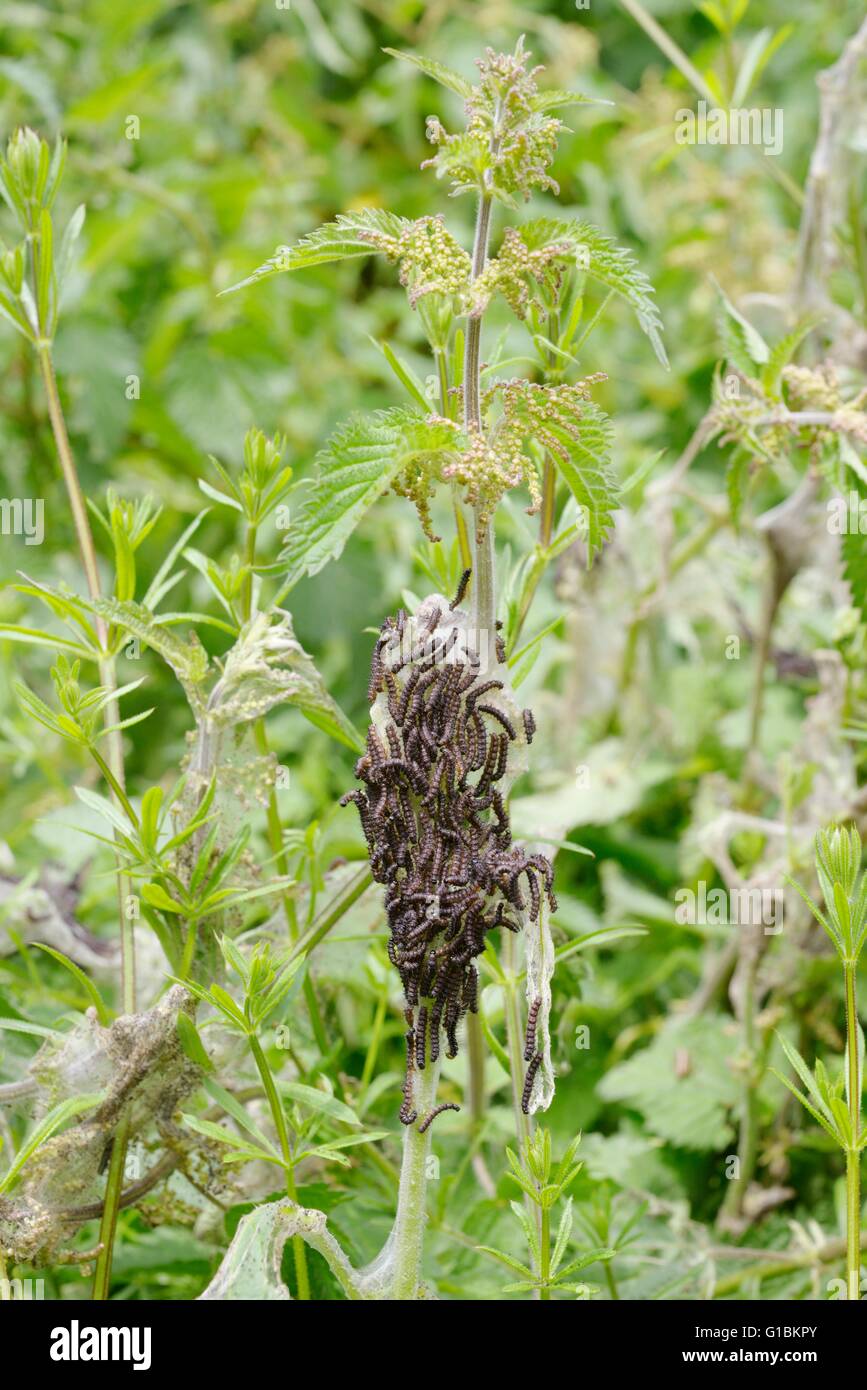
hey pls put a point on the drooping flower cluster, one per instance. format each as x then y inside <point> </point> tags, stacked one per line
<point>551,414</point>
<point>510,140</point>
<point>513,270</point>
<point>489,466</point>
<point>430,261</point>
<point>501,458</point>
<point>445,739</point>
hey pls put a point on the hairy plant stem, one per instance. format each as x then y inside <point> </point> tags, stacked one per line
<point>411,1202</point>
<point>472,347</point>
<point>481,560</point>
<point>279,1117</point>
<point>117,782</point>
<point>484,597</point>
<point>853,1153</point>
<point>484,614</point>
<point>463,534</point>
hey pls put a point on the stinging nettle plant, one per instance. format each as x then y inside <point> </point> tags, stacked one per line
<point>447,736</point>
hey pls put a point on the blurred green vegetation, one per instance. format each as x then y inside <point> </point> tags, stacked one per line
<point>202,136</point>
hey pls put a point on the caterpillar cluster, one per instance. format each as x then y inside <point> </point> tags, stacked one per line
<point>437,826</point>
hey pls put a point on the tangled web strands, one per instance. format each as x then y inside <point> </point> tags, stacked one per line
<point>444,743</point>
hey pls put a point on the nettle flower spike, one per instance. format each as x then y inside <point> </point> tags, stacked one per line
<point>505,452</point>
<point>510,140</point>
<point>519,270</point>
<point>429,258</point>
<point>445,741</point>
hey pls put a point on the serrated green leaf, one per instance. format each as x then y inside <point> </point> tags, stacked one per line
<point>358,464</point>
<point>603,260</point>
<point>341,240</point>
<point>744,345</point>
<point>438,71</point>
<point>781,355</point>
<point>587,471</point>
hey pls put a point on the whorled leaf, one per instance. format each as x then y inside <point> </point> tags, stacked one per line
<point>188,659</point>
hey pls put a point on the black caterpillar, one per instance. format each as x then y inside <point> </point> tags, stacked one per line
<point>437,827</point>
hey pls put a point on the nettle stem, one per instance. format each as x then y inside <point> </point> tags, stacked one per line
<point>853,1153</point>
<point>411,1216</point>
<point>484,596</point>
<point>485,607</point>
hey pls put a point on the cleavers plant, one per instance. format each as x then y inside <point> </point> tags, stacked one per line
<point>835,1103</point>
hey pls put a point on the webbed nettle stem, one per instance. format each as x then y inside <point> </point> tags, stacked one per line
<point>407,1239</point>
<point>442,747</point>
<point>411,1218</point>
<point>484,597</point>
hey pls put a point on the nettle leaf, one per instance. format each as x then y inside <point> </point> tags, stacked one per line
<point>342,240</point>
<point>602,259</point>
<point>548,101</point>
<point>744,345</point>
<point>781,354</point>
<point>358,464</point>
<point>188,659</point>
<point>438,71</point>
<point>587,471</point>
<point>691,1109</point>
